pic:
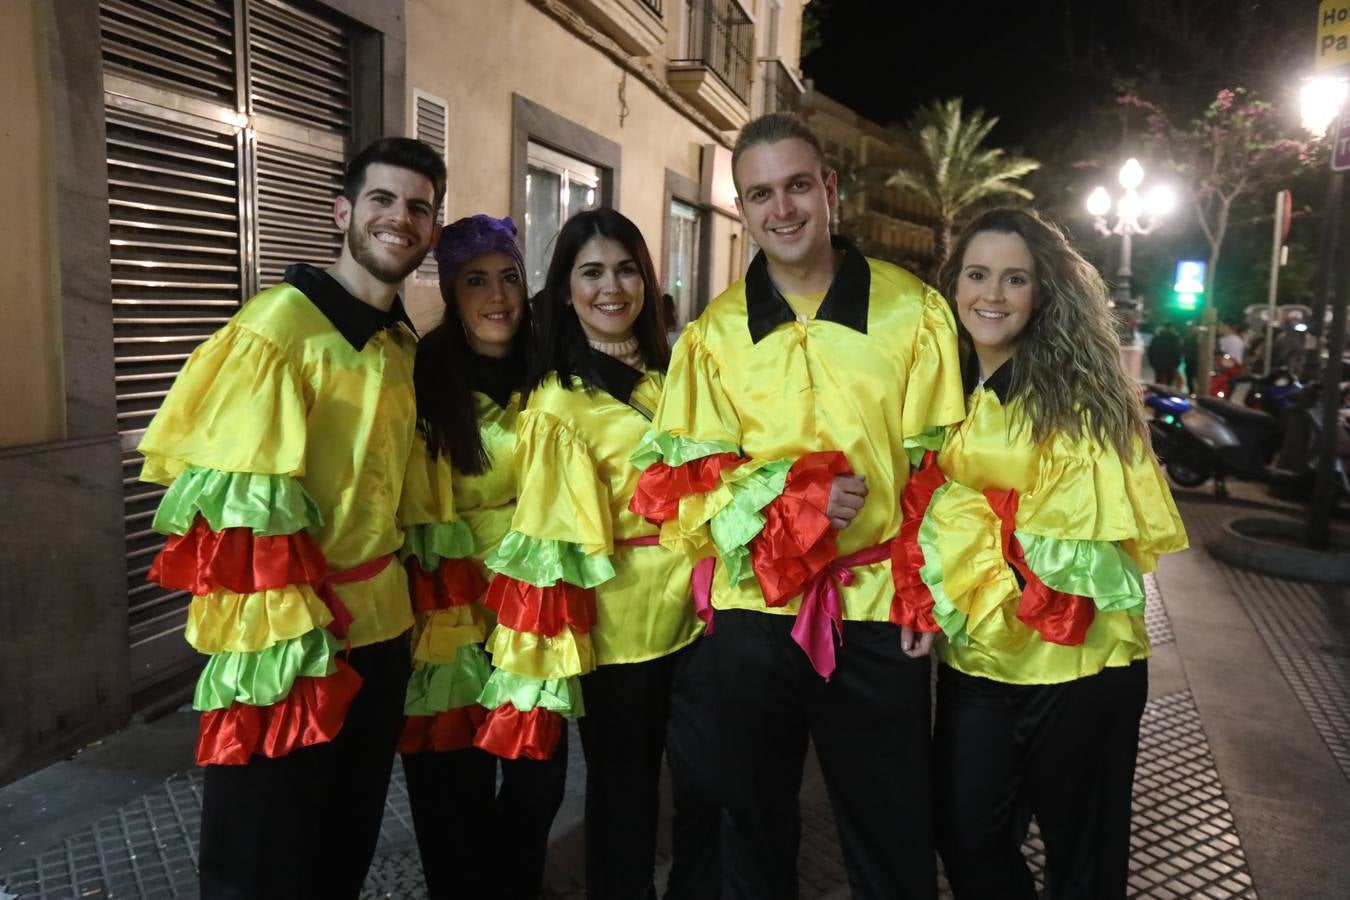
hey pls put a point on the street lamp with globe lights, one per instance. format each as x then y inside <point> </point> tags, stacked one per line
<point>1135,214</point>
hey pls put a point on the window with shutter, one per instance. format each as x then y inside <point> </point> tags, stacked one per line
<point>431,125</point>
<point>227,124</point>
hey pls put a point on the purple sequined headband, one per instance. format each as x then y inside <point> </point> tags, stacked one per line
<point>474,236</point>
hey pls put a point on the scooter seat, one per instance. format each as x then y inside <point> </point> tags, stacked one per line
<point>1235,414</point>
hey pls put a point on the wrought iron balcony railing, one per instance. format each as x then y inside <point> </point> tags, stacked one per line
<point>721,37</point>
<point>781,92</point>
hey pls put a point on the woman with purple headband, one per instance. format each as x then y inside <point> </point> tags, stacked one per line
<point>468,376</point>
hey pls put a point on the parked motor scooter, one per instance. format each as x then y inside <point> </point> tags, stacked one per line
<point>1212,438</point>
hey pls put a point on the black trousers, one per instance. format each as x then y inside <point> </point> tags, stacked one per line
<point>475,844</point>
<point>870,726</point>
<point>1062,752</point>
<point>634,713</point>
<point>305,825</point>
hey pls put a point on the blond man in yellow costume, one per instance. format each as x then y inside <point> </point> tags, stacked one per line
<point>784,437</point>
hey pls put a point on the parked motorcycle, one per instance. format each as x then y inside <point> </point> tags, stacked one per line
<point>1210,438</point>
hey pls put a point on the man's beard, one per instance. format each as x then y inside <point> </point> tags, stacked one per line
<point>360,245</point>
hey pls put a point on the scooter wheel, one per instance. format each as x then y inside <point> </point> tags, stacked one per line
<point>1183,475</point>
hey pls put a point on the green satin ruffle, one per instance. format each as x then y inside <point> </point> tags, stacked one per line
<point>737,523</point>
<point>435,542</point>
<point>544,563</point>
<point>1096,569</point>
<point>950,619</point>
<point>559,695</point>
<point>265,676</point>
<point>437,687</point>
<point>675,450</point>
<point>268,504</point>
<point>930,438</point>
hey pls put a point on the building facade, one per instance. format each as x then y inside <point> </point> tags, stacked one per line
<point>885,222</point>
<point>165,159</point>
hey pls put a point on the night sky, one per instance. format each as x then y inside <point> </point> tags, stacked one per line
<point>1039,63</point>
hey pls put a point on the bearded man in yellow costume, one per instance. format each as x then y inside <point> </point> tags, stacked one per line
<point>792,411</point>
<point>284,444</point>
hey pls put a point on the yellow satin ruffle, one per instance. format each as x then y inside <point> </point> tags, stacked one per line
<point>1069,489</point>
<point>245,623</point>
<point>978,581</point>
<point>428,488</point>
<point>238,405</point>
<point>439,635</point>
<point>538,656</point>
<point>695,404</point>
<point>560,494</point>
<point>933,393</point>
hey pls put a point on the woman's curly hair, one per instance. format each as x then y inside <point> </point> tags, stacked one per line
<point>1066,365</point>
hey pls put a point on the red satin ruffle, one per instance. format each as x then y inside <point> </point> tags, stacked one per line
<point>237,560</point>
<point>312,713</point>
<point>454,582</point>
<point>525,607</point>
<point>511,734</point>
<point>452,729</point>
<point>661,487</point>
<point>1058,617</point>
<point>797,541</point>
<point>912,606</point>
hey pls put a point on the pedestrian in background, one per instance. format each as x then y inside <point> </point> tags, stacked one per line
<point>1164,354</point>
<point>1043,509</point>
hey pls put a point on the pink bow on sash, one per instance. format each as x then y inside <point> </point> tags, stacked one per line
<point>822,611</point>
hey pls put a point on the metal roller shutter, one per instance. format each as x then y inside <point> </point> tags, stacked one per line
<point>209,198</point>
<point>431,125</point>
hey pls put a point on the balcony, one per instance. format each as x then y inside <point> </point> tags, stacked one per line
<point>713,67</point>
<point>635,25</point>
<point>782,92</point>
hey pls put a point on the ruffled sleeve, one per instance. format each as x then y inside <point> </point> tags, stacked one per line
<point>238,405</point>
<point>240,543</point>
<point>1059,564</point>
<point>1086,492</point>
<point>547,567</point>
<point>450,667</point>
<point>934,395</point>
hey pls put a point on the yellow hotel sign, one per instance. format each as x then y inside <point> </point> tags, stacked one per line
<point>1333,34</point>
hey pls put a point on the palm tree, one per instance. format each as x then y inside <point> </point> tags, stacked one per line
<point>952,171</point>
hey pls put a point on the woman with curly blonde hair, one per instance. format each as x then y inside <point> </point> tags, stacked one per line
<point>1029,533</point>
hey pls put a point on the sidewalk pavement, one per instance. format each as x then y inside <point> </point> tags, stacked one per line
<point>1242,788</point>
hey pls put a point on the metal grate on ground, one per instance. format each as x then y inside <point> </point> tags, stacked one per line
<point>148,849</point>
<point>1306,628</point>
<point>1155,614</point>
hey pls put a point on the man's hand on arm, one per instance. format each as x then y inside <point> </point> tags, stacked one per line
<point>846,497</point>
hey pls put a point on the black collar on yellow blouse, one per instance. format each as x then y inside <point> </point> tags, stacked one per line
<point>354,320</point>
<point>845,302</point>
<point>1000,382</point>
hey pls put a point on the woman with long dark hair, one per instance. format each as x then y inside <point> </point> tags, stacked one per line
<point>1027,548</point>
<point>588,603</point>
<point>469,373</point>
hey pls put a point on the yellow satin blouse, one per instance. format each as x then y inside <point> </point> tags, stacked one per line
<point>575,482</point>
<point>279,391</point>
